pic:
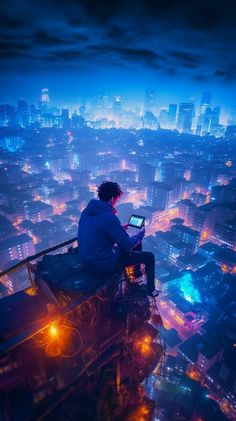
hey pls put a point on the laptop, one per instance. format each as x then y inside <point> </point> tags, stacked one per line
<point>135,223</point>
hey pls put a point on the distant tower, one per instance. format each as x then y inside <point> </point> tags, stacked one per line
<point>185,117</point>
<point>172,113</point>
<point>44,99</point>
<point>205,102</point>
<point>150,101</point>
<point>117,104</point>
<point>22,113</point>
<point>101,104</point>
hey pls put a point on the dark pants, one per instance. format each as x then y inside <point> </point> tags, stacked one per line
<point>137,257</point>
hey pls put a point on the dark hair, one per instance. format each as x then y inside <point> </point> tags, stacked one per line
<point>108,189</point>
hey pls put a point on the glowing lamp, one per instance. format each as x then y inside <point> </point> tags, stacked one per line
<point>143,346</point>
<point>224,268</point>
<point>31,291</point>
<point>53,331</point>
<point>144,410</point>
<point>148,340</point>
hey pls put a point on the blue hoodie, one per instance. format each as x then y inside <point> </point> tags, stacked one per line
<point>99,230</point>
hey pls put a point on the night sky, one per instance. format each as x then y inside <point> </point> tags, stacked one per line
<point>78,48</point>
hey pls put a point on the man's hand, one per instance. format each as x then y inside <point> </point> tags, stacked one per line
<point>143,230</point>
<point>126,226</point>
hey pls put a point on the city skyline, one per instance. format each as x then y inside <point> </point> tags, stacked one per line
<point>114,111</point>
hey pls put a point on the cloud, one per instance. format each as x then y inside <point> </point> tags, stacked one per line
<point>170,37</point>
<point>186,58</point>
<point>11,23</point>
<point>228,74</point>
<point>12,49</point>
<point>69,55</point>
<point>48,39</point>
<point>200,78</point>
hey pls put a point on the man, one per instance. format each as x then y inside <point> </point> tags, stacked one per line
<point>100,230</point>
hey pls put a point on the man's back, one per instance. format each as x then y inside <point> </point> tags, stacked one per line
<point>99,230</point>
<point>95,241</point>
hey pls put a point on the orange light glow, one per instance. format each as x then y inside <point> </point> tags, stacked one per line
<point>224,268</point>
<point>31,291</point>
<point>143,346</point>
<point>144,410</point>
<point>53,330</point>
<point>204,235</point>
<point>229,163</point>
<point>37,197</point>
<point>148,340</point>
<point>179,320</point>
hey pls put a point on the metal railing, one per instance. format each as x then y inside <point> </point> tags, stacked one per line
<point>27,262</point>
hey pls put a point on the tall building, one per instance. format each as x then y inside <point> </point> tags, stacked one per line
<point>204,218</point>
<point>204,118</point>
<point>172,114</point>
<point>65,121</point>
<point>187,235</point>
<point>186,211</point>
<point>22,113</point>
<point>171,170</point>
<point>150,101</point>
<point>185,117</point>
<point>146,173</point>
<point>101,104</point>
<point>205,101</point>
<point>163,118</point>
<point>44,100</point>
<point>117,104</point>
<point>16,248</point>
<point>223,194</point>
<point>160,195</point>
<point>230,132</point>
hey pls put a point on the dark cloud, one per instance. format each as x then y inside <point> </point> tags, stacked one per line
<point>228,74</point>
<point>11,23</point>
<point>46,38</point>
<point>186,57</point>
<point>80,37</point>
<point>172,37</point>
<point>200,78</point>
<point>65,55</point>
<point>12,49</point>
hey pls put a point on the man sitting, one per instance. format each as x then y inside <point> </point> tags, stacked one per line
<point>100,230</point>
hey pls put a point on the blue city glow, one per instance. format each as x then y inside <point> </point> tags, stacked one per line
<point>188,289</point>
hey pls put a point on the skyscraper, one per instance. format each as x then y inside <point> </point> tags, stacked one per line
<point>150,101</point>
<point>117,104</point>
<point>65,118</point>
<point>44,100</point>
<point>202,124</point>
<point>160,195</point>
<point>22,113</point>
<point>172,113</point>
<point>101,104</point>
<point>205,101</point>
<point>146,173</point>
<point>185,117</point>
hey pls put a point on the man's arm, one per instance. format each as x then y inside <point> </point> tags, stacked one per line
<point>119,235</point>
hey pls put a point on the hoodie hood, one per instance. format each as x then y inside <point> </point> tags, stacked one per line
<point>96,207</point>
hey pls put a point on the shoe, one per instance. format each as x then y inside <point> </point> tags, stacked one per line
<point>154,293</point>
<point>140,280</point>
